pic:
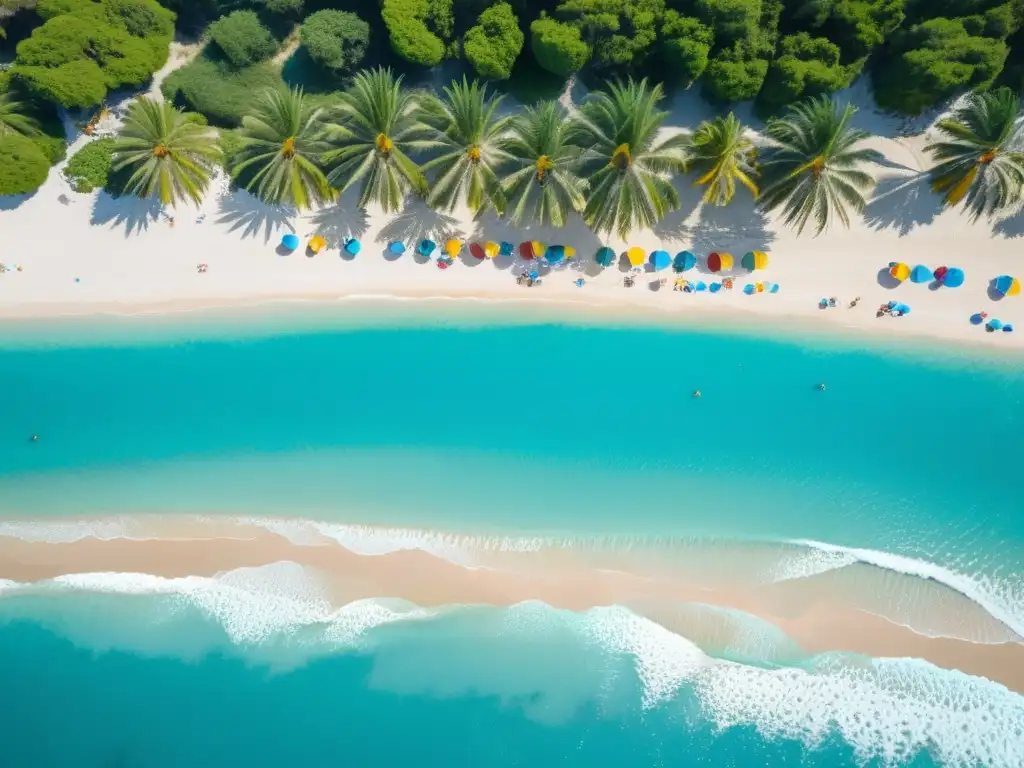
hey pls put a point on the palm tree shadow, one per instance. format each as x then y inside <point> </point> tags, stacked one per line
<point>243,211</point>
<point>575,234</point>
<point>674,226</point>
<point>736,228</point>
<point>903,203</point>
<point>416,222</point>
<point>135,214</point>
<point>1011,226</point>
<point>342,221</point>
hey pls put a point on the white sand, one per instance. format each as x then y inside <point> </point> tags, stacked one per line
<point>103,255</point>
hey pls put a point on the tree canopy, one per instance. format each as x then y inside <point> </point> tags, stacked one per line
<point>493,45</point>
<point>420,31</point>
<point>242,38</point>
<point>336,40</point>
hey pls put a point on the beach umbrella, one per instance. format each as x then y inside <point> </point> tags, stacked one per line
<point>316,244</point>
<point>290,241</point>
<point>774,288</point>
<point>715,287</point>
<point>526,250</point>
<point>538,248</point>
<point>759,287</point>
<point>555,254</point>
<point>754,260</point>
<point>953,278</point>
<point>636,256</point>
<point>1004,285</point>
<point>453,248</point>
<point>994,325</point>
<point>491,249</point>
<point>507,248</point>
<point>397,248</point>
<point>899,270</point>
<point>940,273</point>
<point>605,257</point>
<point>426,248</point>
<point>477,251</point>
<point>660,260</point>
<point>749,289</point>
<point>905,309</point>
<point>701,286</point>
<point>1007,328</point>
<point>352,246</point>
<point>920,274</point>
<point>978,318</point>
<point>718,262</point>
<point>683,261</point>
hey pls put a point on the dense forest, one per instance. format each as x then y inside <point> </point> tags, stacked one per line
<point>785,55</point>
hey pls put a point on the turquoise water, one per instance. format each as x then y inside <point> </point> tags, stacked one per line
<point>548,429</point>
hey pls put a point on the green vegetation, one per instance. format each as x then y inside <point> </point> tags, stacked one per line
<point>816,169</point>
<point>808,66</point>
<point>374,128</point>
<point>980,159</point>
<point>420,31</point>
<point>170,157</point>
<point>23,167</point>
<point>493,45</point>
<point>216,89</point>
<point>336,40</point>
<point>686,45</point>
<point>630,175</point>
<point>721,154</point>
<point>541,179</point>
<point>559,47</point>
<point>242,38</point>
<point>465,130</point>
<point>87,47</point>
<point>89,168</point>
<point>280,149</point>
<point>15,117</point>
<point>621,33</point>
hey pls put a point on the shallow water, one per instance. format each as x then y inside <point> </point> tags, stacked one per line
<point>579,437</point>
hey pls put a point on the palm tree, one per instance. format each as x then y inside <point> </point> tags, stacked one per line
<point>542,180</point>
<point>722,155</point>
<point>814,170</point>
<point>465,128</point>
<point>170,155</point>
<point>281,143</point>
<point>13,117</point>
<point>376,123</point>
<point>630,186</point>
<point>982,161</point>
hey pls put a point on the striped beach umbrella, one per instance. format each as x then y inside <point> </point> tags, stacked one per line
<point>1005,285</point>
<point>660,260</point>
<point>605,257</point>
<point>754,260</point>
<point>899,270</point>
<point>718,262</point>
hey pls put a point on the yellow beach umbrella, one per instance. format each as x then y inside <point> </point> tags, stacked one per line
<point>569,251</point>
<point>759,287</point>
<point>453,247</point>
<point>316,244</point>
<point>900,271</point>
<point>636,256</point>
<point>491,249</point>
<point>538,248</point>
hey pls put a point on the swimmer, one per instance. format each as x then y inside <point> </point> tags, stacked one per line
<point>34,438</point>
<point>822,386</point>
<point>696,393</point>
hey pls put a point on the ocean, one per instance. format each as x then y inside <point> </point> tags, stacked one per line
<point>496,451</point>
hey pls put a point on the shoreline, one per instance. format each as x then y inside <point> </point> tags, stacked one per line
<point>816,624</point>
<point>313,312</point>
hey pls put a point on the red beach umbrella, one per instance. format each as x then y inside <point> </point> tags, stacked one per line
<point>478,251</point>
<point>940,273</point>
<point>526,250</point>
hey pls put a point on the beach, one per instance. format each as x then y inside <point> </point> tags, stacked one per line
<point>336,495</point>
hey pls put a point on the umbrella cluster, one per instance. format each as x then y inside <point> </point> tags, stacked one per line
<point>948,277</point>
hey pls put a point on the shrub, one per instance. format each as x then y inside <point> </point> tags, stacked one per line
<point>336,40</point>
<point>732,75</point>
<point>419,30</point>
<point>494,44</point>
<point>934,60</point>
<point>809,66</point>
<point>733,20</point>
<point>558,47</point>
<point>89,167</point>
<point>85,48</point>
<point>23,167</point>
<point>283,7</point>
<point>217,90</point>
<point>620,32</point>
<point>242,38</point>
<point>685,46</point>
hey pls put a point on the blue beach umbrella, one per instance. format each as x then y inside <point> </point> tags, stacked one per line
<point>749,289</point>
<point>555,254</point>
<point>683,261</point>
<point>397,248</point>
<point>905,309</point>
<point>715,287</point>
<point>994,325</point>
<point>506,248</point>
<point>352,246</point>
<point>701,286</point>
<point>290,241</point>
<point>660,259</point>
<point>605,257</point>
<point>1007,328</point>
<point>921,274</point>
<point>533,275</point>
<point>977,318</point>
<point>426,248</point>
<point>954,277</point>
<point>774,288</point>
